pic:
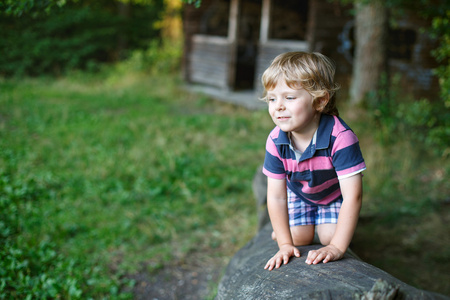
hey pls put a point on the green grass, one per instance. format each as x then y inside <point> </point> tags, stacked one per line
<point>110,172</point>
<point>104,175</point>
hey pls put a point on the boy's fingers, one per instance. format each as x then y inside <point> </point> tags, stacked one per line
<point>311,256</point>
<point>319,258</point>
<point>270,264</point>
<point>279,261</point>
<point>274,262</point>
<point>324,255</point>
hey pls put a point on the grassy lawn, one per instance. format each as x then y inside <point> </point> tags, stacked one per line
<point>108,172</point>
<point>102,175</point>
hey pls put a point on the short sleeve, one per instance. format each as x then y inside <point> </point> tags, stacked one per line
<point>346,155</point>
<point>273,165</point>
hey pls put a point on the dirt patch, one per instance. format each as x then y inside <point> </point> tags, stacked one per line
<point>193,280</point>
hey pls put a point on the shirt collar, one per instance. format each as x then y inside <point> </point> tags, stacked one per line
<point>324,131</point>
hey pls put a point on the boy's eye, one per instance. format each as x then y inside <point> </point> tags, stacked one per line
<point>290,98</point>
<point>271,99</point>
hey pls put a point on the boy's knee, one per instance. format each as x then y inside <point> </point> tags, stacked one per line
<point>302,235</point>
<point>326,233</point>
<point>302,241</point>
<point>325,240</point>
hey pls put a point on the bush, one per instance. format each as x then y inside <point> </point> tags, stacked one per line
<point>440,134</point>
<point>421,122</point>
<point>161,57</point>
<point>77,36</point>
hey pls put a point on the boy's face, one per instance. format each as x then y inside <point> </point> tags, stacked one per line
<point>292,109</point>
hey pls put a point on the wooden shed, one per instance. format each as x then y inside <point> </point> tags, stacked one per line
<point>229,43</point>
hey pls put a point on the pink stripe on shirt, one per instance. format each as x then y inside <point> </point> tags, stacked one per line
<point>313,164</point>
<point>317,189</point>
<point>356,168</point>
<point>272,148</point>
<point>273,175</point>
<point>346,138</point>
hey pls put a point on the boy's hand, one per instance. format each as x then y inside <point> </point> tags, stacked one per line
<point>325,254</point>
<point>282,256</point>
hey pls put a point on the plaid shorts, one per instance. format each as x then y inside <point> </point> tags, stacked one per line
<point>302,213</point>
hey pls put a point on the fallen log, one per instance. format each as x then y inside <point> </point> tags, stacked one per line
<point>348,278</point>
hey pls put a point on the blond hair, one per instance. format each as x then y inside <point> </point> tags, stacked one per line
<point>312,71</point>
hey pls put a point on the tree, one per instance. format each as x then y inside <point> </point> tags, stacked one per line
<point>370,66</point>
<point>49,37</point>
<point>20,7</point>
<point>370,61</point>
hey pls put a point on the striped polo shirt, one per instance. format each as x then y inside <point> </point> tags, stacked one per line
<point>333,154</point>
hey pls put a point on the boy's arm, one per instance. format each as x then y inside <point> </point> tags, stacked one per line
<point>277,207</point>
<point>351,189</point>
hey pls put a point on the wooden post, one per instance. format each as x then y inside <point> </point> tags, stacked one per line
<point>232,41</point>
<point>265,22</point>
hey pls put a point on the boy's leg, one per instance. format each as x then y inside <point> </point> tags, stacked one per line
<point>326,232</point>
<point>304,235</point>
<point>326,220</point>
<point>301,235</point>
<point>301,220</point>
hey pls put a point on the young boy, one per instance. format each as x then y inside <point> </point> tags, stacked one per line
<point>313,160</point>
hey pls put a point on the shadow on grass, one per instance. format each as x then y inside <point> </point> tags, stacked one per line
<point>414,249</point>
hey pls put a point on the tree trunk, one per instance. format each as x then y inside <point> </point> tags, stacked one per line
<point>124,11</point>
<point>370,61</point>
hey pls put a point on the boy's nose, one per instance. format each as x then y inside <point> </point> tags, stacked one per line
<point>280,105</point>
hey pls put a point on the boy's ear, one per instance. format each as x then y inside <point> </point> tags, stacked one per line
<point>320,103</point>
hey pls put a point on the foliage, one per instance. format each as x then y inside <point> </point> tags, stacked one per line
<point>441,31</point>
<point>159,58</point>
<point>405,202</point>
<point>77,36</point>
<point>427,120</point>
<point>440,133</point>
<point>39,7</point>
<point>35,7</point>
<point>197,3</point>
<point>420,121</point>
